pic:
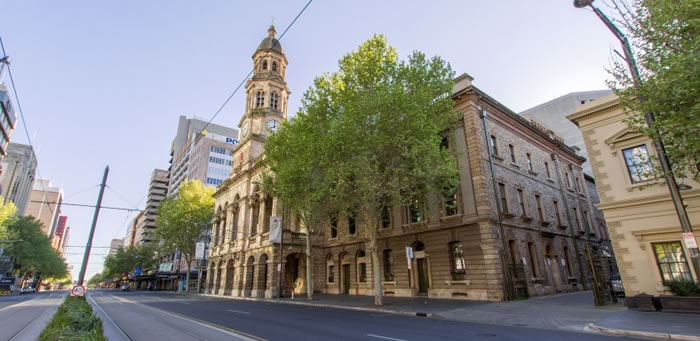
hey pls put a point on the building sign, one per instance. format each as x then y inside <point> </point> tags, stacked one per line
<point>275,229</point>
<point>231,140</point>
<point>690,241</point>
<point>166,267</point>
<point>199,251</point>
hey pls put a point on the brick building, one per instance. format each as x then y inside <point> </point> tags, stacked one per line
<point>516,227</point>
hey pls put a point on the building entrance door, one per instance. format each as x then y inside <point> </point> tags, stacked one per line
<point>346,278</point>
<point>422,267</point>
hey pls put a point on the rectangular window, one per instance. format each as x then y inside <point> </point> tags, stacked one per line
<point>578,225</point>
<point>538,201</point>
<point>334,226</point>
<point>568,180</point>
<point>546,167</point>
<point>386,218</point>
<point>502,196</point>
<point>521,202</point>
<point>671,261</point>
<point>457,261</point>
<point>557,212</point>
<point>352,228</point>
<point>585,220</point>
<point>331,279</point>
<point>567,257</point>
<point>494,145</point>
<point>388,266</point>
<point>363,272</point>
<point>512,153</point>
<point>533,259</point>
<point>578,185</point>
<point>529,162</point>
<point>638,163</point>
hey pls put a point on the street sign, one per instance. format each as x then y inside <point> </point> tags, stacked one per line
<point>690,241</point>
<point>275,229</point>
<point>199,251</point>
<point>77,290</point>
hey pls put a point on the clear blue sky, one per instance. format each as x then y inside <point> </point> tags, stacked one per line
<point>103,83</point>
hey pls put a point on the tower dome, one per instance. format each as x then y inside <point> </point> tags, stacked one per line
<point>270,42</point>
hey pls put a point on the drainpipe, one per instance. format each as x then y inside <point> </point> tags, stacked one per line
<point>508,290</point>
<point>555,160</point>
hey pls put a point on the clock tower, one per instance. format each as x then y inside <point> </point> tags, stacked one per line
<point>266,100</point>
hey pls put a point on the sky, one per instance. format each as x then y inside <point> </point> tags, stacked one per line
<point>104,82</point>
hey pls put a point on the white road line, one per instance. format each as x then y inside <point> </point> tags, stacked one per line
<point>238,311</point>
<point>384,337</point>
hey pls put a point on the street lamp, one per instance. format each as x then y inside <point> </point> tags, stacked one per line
<point>649,117</point>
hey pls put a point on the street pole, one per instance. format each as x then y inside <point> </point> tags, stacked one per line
<point>676,197</point>
<point>86,256</point>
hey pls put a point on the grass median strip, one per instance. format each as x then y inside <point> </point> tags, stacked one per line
<point>74,320</point>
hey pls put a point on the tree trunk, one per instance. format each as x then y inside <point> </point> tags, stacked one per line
<point>309,283</point>
<point>187,278</point>
<point>375,262</point>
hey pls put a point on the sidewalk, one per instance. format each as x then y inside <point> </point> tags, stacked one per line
<point>570,311</point>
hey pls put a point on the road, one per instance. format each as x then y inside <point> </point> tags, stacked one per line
<point>23,317</point>
<point>272,321</point>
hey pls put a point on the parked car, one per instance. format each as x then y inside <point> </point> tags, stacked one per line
<point>124,287</point>
<point>27,290</point>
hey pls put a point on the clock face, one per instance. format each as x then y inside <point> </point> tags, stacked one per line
<point>244,130</point>
<point>272,125</point>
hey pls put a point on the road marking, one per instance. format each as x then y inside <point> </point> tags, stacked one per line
<point>384,337</point>
<point>238,311</point>
<point>20,303</point>
<point>109,318</point>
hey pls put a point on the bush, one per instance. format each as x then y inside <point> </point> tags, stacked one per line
<point>74,320</point>
<point>684,287</point>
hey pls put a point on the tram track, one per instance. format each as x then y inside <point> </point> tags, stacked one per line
<point>19,334</point>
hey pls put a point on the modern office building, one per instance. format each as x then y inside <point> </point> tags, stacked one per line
<point>146,221</point>
<point>17,177</point>
<point>8,119</point>
<point>45,204</point>
<point>203,155</point>
<point>115,245</point>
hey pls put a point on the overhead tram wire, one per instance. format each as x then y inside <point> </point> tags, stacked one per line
<point>81,191</point>
<point>254,66</point>
<point>87,205</point>
<point>21,113</point>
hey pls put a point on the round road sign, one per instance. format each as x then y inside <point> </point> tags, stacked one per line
<point>78,290</point>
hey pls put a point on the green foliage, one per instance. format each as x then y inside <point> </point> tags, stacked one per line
<point>34,253</point>
<point>684,287</point>
<point>666,37</point>
<point>366,138</point>
<point>128,259</point>
<point>74,320</point>
<point>7,213</point>
<point>95,279</point>
<point>184,218</point>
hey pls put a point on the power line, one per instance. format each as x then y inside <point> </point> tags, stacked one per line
<point>79,192</point>
<point>254,66</point>
<point>87,205</point>
<point>120,196</point>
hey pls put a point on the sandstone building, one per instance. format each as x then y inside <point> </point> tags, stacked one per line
<point>521,214</point>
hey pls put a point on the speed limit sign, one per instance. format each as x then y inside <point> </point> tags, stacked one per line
<point>78,290</point>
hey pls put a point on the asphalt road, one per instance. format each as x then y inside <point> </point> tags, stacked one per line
<point>273,321</point>
<point>23,317</point>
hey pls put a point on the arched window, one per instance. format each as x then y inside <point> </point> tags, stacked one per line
<point>268,214</point>
<point>330,268</point>
<point>274,101</point>
<point>260,99</point>
<point>274,66</point>
<point>264,65</point>
<point>388,265</point>
<point>457,265</point>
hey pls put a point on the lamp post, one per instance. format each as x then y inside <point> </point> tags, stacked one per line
<point>676,197</point>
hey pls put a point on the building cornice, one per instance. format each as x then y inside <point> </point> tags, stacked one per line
<point>596,108</point>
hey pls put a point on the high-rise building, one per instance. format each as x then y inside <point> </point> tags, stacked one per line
<point>57,239</point>
<point>45,204</point>
<point>115,245</point>
<point>8,118</point>
<point>203,155</point>
<point>146,221</point>
<point>17,177</point>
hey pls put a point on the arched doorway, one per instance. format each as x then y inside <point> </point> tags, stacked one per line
<point>262,275</point>
<point>217,279</point>
<point>553,268</point>
<point>249,276</point>
<point>230,272</point>
<point>291,272</point>
<point>422,269</point>
<point>345,277</point>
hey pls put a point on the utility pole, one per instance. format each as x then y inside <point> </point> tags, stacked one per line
<point>676,197</point>
<point>86,256</point>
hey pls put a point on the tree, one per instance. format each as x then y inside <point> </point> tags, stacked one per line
<point>128,259</point>
<point>297,178</point>
<point>666,37</point>
<point>7,213</point>
<point>376,126</point>
<point>34,253</point>
<point>183,219</point>
<point>95,279</point>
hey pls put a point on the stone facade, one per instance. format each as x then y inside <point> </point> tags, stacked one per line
<point>642,221</point>
<point>464,245</point>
